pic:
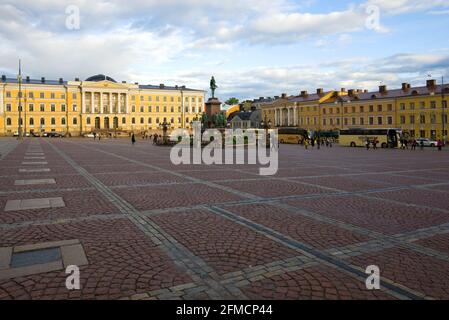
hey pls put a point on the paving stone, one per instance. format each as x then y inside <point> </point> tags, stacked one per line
<point>35,170</point>
<point>33,182</point>
<point>34,162</point>
<point>29,204</point>
<point>5,257</point>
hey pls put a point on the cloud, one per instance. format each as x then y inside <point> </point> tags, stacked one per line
<point>395,7</point>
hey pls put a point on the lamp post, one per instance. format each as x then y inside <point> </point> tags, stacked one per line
<point>164,126</point>
<point>342,102</point>
<point>443,107</point>
<point>19,80</point>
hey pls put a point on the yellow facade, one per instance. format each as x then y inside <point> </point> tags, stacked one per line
<point>418,111</point>
<point>98,104</point>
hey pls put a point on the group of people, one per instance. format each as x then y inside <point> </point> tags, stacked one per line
<point>319,142</point>
<point>413,143</point>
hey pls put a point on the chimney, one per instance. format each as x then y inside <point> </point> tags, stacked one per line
<point>136,83</point>
<point>383,89</point>
<point>176,86</point>
<point>183,87</point>
<point>3,77</point>
<point>351,92</point>
<point>405,86</point>
<point>343,90</point>
<point>284,95</point>
<point>431,83</point>
<point>43,79</point>
<point>276,97</point>
<point>319,91</point>
<point>365,91</point>
<point>304,93</point>
<point>28,79</point>
<point>261,98</point>
<point>61,80</point>
<point>161,86</point>
<point>77,79</point>
<point>123,81</point>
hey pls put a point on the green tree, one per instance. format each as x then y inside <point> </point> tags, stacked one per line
<point>232,101</point>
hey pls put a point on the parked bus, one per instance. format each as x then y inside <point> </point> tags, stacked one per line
<point>292,135</point>
<point>386,138</point>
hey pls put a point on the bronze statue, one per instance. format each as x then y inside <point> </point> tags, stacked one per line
<point>213,86</point>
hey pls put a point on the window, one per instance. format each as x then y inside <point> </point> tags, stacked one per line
<point>142,121</point>
<point>75,121</point>
<point>412,119</point>
<point>52,96</point>
<point>165,108</point>
<point>31,122</point>
<point>390,120</point>
<point>53,108</point>
<point>31,95</point>
<point>379,108</point>
<point>172,120</point>
<point>150,98</point>
<point>422,119</point>
<point>149,108</point>
<point>433,105</point>
<point>157,108</point>
<point>8,121</point>
<point>141,109</point>
<point>157,98</point>
<point>8,107</point>
<point>157,120</point>
<point>422,133</point>
<point>422,105</point>
<point>324,122</point>
<point>62,96</point>
<point>149,120</point>
<point>63,107</point>
<point>371,108</point>
<point>362,109</point>
<point>402,106</point>
<point>133,120</point>
<point>8,94</point>
<point>433,119</point>
<point>42,107</point>
<point>371,121</point>
<point>402,119</point>
<point>31,107</point>
<point>390,107</point>
<point>42,121</point>
<point>53,121</point>
<point>172,99</point>
<point>42,95</point>
<point>63,121</point>
<point>88,120</point>
<point>123,120</point>
<point>74,107</point>
<point>379,120</point>
<point>133,109</point>
<point>172,109</point>
<point>74,96</point>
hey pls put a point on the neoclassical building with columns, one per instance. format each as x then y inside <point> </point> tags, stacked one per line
<point>97,104</point>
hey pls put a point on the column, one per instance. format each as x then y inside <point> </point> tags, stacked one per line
<point>101,102</point>
<point>110,102</point>
<point>83,101</point>
<point>295,116</point>
<point>92,102</point>
<point>119,102</point>
<point>126,102</point>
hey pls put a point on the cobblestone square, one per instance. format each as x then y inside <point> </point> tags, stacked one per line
<point>152,230</point>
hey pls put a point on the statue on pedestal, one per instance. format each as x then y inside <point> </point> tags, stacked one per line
<point>213,86</point>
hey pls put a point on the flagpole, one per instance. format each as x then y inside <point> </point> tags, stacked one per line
<point>19,78</point>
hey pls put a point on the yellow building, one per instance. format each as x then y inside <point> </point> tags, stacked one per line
<point>98,104</point>
<point>416,110</point>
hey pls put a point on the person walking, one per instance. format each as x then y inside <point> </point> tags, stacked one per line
<point>133,139</point>
<point>306,143</point>
<point>375,144</point>
<point>95,136</point>
<point>440,145</point>
<point>414,143</point>
<point>367,144</point>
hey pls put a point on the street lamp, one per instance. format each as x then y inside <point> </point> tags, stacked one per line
<point>341,101</point>
<point>164,126</point>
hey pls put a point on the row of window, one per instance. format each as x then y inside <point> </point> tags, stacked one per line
<point>52,95</point>
<point>133,108</point>
<point>89,121</point>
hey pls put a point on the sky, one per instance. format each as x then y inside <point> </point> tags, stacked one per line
<point>254,48</point>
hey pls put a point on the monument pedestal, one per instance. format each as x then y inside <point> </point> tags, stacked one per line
<point>213,106</point>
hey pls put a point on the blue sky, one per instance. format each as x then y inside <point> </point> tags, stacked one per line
<point>252,47</point>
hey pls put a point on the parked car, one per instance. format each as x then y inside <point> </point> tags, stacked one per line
<point>89,135</point>
<point>35,134</point>
<point>54,135</point>
<point>427,142</point>
<point>15,134</point>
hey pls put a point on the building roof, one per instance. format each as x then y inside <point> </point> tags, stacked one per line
<point>398,93</point>
<point>244,115</point>
<point>100,77</point>
<point>96,78</point>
